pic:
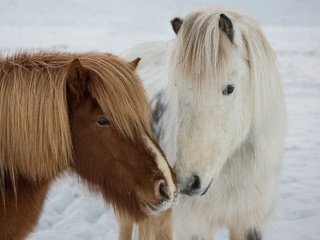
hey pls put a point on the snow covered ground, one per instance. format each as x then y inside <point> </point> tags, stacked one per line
<point>293,28</point>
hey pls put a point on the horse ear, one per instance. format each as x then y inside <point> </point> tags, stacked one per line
<point>176,24</point>
<point>135,63</point>
<point>226,26</point>
<point>78,77</point>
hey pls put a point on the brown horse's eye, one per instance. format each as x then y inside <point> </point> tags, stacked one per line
<point>228,90</point>
<point>103,122</point>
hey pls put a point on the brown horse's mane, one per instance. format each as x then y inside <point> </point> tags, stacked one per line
<point>35,137</point>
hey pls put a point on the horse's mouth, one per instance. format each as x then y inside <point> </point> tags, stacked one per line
<point>150,207</point>
<point>206,190</point>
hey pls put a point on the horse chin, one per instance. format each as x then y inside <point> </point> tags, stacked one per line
<point>151,209</point>
<point>148,208</point>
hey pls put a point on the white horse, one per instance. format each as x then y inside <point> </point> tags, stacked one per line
<point>220,113</point>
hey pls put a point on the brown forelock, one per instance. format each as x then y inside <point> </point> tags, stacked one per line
<point>120,94</point>
<point>34,128</point>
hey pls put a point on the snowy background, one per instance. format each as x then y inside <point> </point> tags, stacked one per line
<point>292,27</point>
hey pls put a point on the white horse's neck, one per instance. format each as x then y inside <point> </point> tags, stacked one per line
<point>167,124</point>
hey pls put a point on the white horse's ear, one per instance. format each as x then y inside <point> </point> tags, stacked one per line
<point>226,26</point>
<point>176,24</point>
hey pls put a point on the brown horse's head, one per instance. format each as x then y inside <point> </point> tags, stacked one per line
<point>114,150</point>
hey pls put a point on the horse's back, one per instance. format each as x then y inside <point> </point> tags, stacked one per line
<point>151,53</point>
<point>153,65</point>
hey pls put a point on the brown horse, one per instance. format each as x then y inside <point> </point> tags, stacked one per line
<point>86,113</point>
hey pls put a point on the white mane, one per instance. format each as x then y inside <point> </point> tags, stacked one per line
<point>200,51</point>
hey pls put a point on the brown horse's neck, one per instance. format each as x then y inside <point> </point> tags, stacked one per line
<point>20,208</point>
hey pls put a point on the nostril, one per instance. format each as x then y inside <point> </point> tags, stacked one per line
<point>162,191</point>
<point>195,184</point>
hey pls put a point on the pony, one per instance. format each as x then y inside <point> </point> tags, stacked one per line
<point>83,113</point>
<point>219,113</point>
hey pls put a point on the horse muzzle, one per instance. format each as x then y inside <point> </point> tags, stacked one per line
<point>162,200</point>
<point>193,186</point>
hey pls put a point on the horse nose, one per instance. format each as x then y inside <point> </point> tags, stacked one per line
<point>192,186</point>
<point>195,183</point>
<point>162,191</point>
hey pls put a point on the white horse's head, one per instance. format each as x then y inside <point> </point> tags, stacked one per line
<point>226,79</point>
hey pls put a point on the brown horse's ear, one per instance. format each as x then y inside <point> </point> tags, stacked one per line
<point>78,77</point>
<point>226,26</point>
<point>176,24</point>
<point>135,63</point>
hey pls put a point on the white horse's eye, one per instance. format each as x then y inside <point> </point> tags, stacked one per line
<point>228,89</point>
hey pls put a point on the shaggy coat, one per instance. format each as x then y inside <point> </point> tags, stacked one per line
<point>86,113</point>
<point>216,87</point>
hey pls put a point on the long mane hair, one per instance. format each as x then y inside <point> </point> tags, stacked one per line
<point>35,137</point>
<point>202,53</point>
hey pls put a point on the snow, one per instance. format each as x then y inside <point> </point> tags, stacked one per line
<point>293,28</point>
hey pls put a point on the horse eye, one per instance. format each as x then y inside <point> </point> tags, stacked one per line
<point>103,122</point>
<point>228,89</point>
